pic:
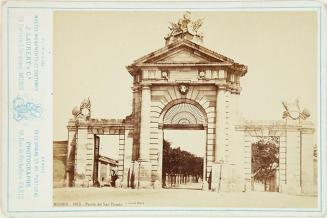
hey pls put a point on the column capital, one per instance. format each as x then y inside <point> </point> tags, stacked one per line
<point>82,126</point>
<point>235,88</point>
<point>221,87</point>
<point>144,85</point>
<point>71,128</point>
<point>135,88</point>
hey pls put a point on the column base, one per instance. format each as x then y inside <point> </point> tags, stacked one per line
<point>157,185</point>
<point>309,190</point>
<point>291,189</point>
<point>227,178</point>
<point>85,183</point>
<point>143,180</point>
<point>216,177</point>
<point>205,186</point>
<point>247,185</point>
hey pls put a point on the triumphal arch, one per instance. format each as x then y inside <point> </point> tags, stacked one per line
<point>183,85</point>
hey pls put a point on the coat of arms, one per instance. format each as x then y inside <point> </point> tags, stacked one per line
<point>183,89</point>
<point>293,111</point>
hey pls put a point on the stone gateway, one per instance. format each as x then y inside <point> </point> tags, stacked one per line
<point>187,86</point>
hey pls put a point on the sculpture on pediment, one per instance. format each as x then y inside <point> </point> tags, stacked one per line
<point>293,111</point>
<point>83,111</point>
<point>185,24</point>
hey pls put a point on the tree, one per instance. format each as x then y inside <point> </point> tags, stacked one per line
<point>177,161</point>
<point>265,160</point>
<point>165,158</point>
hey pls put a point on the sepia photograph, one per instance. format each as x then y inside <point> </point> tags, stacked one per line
<point>186,109</point>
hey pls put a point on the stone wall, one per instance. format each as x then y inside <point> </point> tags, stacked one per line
<point>59,163</point>
<point>296,173</point>
<point>81,146</point>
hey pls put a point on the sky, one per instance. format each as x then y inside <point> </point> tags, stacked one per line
<point>92,50</point>
<point>193,141</point>
<point>109,146</point>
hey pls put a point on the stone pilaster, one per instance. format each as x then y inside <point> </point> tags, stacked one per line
<point>128,156</point>
<point>70,161</point>
<point>160,154</point>
<point>220,124</point>
<point>121,154</point>
<point>282,163</point>
<point>219,175</point>
<point>144,152</point>
<point>81,157</point>
<point>145,124</point>
<point>136,122</point>
<point>108,173</point>
<point>89,158</point>
<point>235,147</point>
<point>247,162</point>
<point>307,164</point>
<point>99,172</point>
<point>293,157</point>
<point>228,124</point>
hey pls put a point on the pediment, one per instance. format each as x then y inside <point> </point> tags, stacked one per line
<point>182,56</point>
<point>182,52</point>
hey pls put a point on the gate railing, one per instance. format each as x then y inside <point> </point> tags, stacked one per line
<point>177,180</point>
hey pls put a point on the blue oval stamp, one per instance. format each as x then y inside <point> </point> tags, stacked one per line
<point>26,110</point>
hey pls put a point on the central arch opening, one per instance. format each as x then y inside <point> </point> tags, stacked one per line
<point>184,124</point>
<point>183,158</point>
